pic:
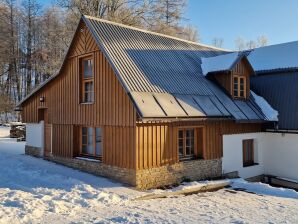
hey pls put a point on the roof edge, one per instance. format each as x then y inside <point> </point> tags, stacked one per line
<point>155,33</point>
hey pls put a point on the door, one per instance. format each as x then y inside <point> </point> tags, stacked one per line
<point>47,135</point>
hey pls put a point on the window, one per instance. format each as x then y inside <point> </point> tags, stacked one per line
<point>186,142</point>
<point>91,141</point>
<point>248,152</point>
<point>87,77</point>
<point>239,83</point>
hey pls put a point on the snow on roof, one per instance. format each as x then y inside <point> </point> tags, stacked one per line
<point>219,63</point>
<point>267,110</point>
<point>274,57</point>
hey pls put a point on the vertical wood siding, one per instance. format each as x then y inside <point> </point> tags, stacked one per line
<point>156,144</point>
<point>242,68</point>
<point>62,140</point>
<point>226,79</point>
<point>112,109</point>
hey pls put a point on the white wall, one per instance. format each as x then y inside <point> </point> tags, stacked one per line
<point>275,153</point>
<point>281,151</point>
<point>35,134</point>
<point>233,157</point>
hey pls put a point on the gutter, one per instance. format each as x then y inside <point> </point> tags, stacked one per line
<point>282,131</point>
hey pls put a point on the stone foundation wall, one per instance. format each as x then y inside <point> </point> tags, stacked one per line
<point>144,179</point>
<point>33,151</point>
<point>176,173</point>
<point>123,175</point>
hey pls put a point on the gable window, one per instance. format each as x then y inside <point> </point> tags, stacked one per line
<point>87,80</point>
<point>239,83</point>
<point>248,152</point>
<point>91,142</point>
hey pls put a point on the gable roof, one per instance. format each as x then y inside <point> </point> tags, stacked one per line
<point>162,74</point>
<point>277,57</point>
<point>223,63</point>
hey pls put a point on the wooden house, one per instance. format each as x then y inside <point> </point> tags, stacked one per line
<point>140,107</point>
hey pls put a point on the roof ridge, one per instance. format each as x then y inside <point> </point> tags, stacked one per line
<point>155,33</point>
<point>273,45</point>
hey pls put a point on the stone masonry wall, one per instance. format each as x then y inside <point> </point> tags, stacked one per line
<point>176,173</point>
<point>123,175</point>
<point>33,151</point>
<point>147,178</point>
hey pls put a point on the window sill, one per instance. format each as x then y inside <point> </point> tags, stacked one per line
<point>183,159</point>
<point>87,103</point>
<point>240,98</point>
<point>88,159</point>
<point>250,165</point>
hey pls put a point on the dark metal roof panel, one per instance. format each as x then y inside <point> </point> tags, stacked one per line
<point>280,90</point>
<point>247,110</point>
<point>154,63</point>
<point>208,106</point>
<point>148,62</point>
<point>190,106</point>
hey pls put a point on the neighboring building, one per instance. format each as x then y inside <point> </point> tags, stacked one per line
<point>137,107</point>
<point>276,149</point>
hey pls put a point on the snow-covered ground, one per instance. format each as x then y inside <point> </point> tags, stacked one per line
<point>36,191</point>
<point>4,132</point>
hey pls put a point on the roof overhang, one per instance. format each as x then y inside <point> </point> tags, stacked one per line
<point>224,63</point>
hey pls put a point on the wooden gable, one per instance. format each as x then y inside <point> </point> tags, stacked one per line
<point>83,42</point>
<point>112,108</point>
<point>243,69</point>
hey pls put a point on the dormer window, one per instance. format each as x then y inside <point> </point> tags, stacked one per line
<point>231,71</point>
<point>239,84</point>
<point>87,80</point>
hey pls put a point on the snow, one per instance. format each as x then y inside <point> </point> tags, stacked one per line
<point>280,56</point>
<point>266,108</point>
<point>4,132</point>
<point>37,191</point>
<point>218,63</point>
<point>257,188</point>
<point>264,189</point>
<point>196,184</point>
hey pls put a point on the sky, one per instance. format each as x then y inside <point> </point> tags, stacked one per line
<point>249,19</point>
<point>229,19</point>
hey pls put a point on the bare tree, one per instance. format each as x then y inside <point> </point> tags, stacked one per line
<point>251,44</point>
<point>129,12</point>
<point>262,41</point>
<point>163,16</point>
<point>6,106</point>
<point>189,32</point>
<point>217,42</point>
<point>31,10</point>
<point>242,44</point>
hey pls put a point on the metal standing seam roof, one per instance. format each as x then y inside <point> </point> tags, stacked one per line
<point>280,90</point>
<point>163,75</point>
<point>275,58</point>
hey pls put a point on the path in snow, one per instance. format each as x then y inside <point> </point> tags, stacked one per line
<point>33,191</point>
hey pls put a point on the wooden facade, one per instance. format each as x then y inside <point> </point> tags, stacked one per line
<point>112,109</point>
<point>157,142</point>
<point>127,142</point>
<point>241,69</point>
